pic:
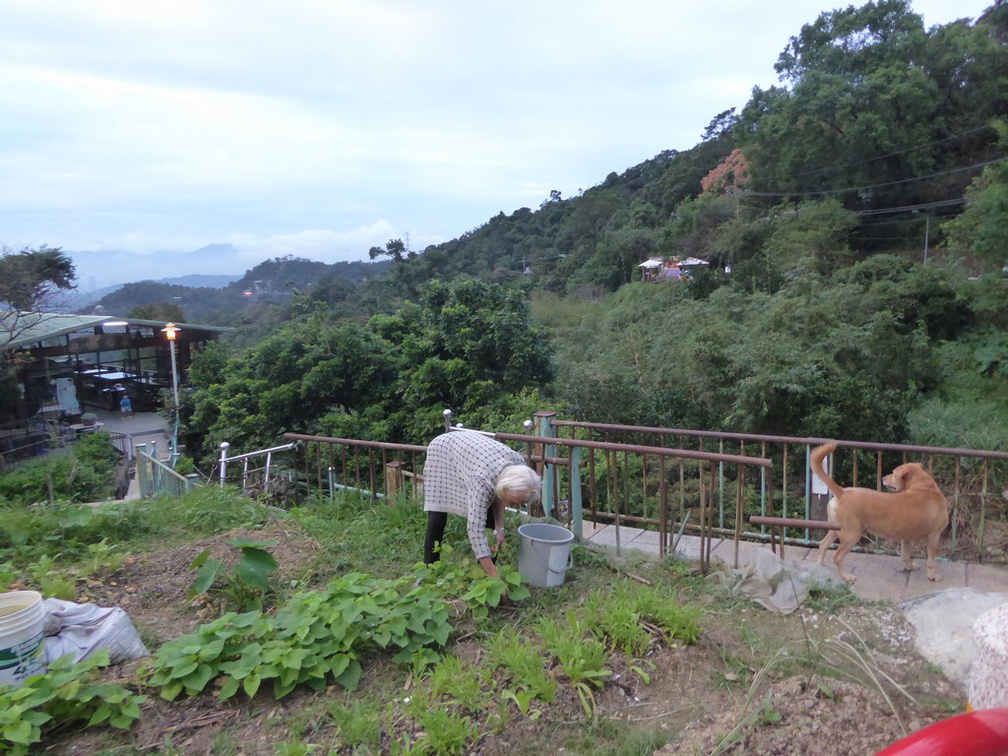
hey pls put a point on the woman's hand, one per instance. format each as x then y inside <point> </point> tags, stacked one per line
<point>499,535</point>
<point>488,566</point>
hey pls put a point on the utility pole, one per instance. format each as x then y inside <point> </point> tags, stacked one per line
<point>927,232</point>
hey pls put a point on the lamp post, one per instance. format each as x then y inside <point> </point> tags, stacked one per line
<point>171,333</point>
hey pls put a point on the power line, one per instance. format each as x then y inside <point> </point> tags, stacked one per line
<point>911,208</point>
<point>876,186</point>
<point>915,148</point>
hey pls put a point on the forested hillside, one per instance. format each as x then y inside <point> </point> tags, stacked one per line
<point>268,284</point>
<point>855,222</point>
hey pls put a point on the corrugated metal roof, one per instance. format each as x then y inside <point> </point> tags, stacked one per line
<point>24,328</point>
<point>28,328</point>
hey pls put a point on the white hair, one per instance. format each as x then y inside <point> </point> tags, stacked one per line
<point>519,479</point>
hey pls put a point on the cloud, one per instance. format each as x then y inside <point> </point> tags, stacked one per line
<point>324,127</point>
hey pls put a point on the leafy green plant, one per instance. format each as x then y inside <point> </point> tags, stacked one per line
<point>244,587</point>
<point>486,593</point>
<point>51,580</point>
<point>7,575</point>
<point>101,558</point>
<point>66,693</point>
<point>316,636</point>
<point>480,593</point>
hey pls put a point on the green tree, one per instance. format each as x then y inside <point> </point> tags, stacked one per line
<point>811,236</point>
<point>166,311</point>
<point>30,279</point>
<point>394,248</point>
<point>875,109</point>
<point>982,229</point>
<point>464,346</point>
<point>286,384</point>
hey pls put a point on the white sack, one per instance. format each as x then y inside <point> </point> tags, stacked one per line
<point>82,629</point>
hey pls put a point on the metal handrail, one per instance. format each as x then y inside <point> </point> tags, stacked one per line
<point>559,461</point>
<point>954,480</point>
<point>246,457</point>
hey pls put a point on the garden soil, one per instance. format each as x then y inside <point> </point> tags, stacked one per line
<point>718,694</point>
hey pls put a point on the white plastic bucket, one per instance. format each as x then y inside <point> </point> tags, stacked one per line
<point>22,620</point>
<point>544,553</point>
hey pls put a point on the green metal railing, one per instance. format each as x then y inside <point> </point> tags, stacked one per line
<point>155,478</point>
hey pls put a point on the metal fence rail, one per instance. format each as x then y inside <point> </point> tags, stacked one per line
<point>257,471</point>
<point>975,482</point>
<point>584,481</point>
<point>673,480</point>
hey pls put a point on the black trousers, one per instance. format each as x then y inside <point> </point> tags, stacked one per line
<point>436,522</point>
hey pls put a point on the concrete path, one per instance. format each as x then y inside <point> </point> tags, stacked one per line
<point>147,429</point>
<point>141,427</point>
<point>943,612</point>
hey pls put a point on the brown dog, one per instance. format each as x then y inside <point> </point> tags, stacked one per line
<point>917,510</point>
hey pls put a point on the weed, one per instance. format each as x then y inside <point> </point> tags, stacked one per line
<point>748,715</point>
<point>297,748</point>
<point>735,672</point>
<point>582,656</point>
<point>767,714</point>
<point>209,510</point>
<point>168,747</point>
<point>854,661</point>
<point>609,737</point>
<point>526,668</point>
<point>461,686</point>
<point>358,724</point>
<point>223,744</point>
<point>446,732</point>
<point>7,575</point>
<point>830,598</point>
<point>51,581</point>
<point>101,559</point>
<point>82,473</point>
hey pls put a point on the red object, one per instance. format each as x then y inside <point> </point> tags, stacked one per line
<point>976,733</point>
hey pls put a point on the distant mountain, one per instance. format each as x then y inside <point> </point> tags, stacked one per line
<point>219,298</point>
<point>79,301</point>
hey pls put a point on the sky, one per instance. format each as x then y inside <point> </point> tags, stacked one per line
<point>152,140</point>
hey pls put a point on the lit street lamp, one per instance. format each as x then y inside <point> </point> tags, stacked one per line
<point>171,333</point>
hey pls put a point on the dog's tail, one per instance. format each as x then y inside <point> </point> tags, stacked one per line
<point>818,455</point>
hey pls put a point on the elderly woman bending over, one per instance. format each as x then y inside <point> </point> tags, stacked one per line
<point>474,476</point>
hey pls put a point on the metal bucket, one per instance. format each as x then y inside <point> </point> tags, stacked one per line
<point>544,553</point>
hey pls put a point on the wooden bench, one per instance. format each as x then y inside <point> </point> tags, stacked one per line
<point>777,525</point>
